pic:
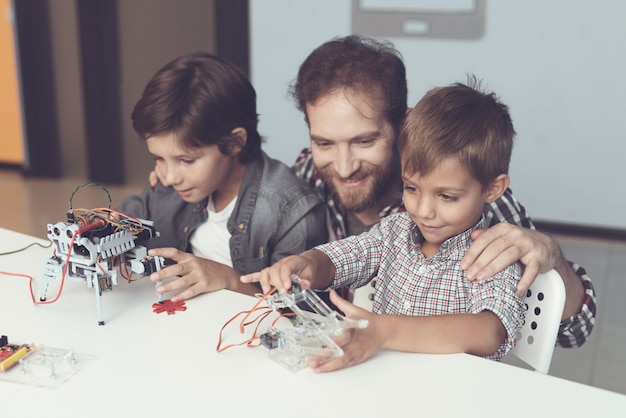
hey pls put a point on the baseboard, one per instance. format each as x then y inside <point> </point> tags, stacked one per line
<point>584,231</point>
<point>11,166</point>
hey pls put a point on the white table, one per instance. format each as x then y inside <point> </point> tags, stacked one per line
<point>167,365</point>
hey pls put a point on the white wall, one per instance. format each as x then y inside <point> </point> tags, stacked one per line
<point>559,65</point>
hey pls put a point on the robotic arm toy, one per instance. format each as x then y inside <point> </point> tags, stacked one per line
<point>314,327</point>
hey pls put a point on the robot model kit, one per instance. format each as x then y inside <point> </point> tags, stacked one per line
<point>98,246</point>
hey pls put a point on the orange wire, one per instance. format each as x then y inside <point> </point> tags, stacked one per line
<point>250,340</point>
<point>266,311</point>
<point>254,308</point>
<point>123,268</point>
<point>98,259</point>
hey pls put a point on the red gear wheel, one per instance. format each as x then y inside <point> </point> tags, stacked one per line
<point>169,306</point>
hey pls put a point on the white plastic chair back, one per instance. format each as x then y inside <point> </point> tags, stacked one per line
<point>363,297</point>
<point>536,340</point>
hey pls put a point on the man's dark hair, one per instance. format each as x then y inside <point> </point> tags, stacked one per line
<point>356,64</point>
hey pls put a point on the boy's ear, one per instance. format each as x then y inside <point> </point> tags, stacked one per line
<point>239,139</point>
<point>497,187</point>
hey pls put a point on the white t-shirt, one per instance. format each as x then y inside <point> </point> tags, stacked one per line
<point>211,240</point>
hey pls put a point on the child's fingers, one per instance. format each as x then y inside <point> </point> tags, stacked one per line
<point>168,252</point>
<point>251,278</point>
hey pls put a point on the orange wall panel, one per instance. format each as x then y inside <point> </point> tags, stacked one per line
<point>11,131</point>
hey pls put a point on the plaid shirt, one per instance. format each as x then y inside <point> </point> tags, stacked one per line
<point>574,330</point>
<point>407,283</point>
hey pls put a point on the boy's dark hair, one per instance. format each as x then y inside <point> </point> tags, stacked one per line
<point>200,98</point>
<point>356,64</point>
<point>458,121</point>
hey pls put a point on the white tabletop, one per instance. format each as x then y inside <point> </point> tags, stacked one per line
<point>160,365</point>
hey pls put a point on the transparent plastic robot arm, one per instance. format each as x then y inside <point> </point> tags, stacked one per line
<point>314,327</point>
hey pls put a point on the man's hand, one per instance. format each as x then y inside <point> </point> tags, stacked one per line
<point>195,275</point>
<point>503,244</point>
<point>358,344</point>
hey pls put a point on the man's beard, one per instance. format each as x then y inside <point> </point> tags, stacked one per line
<point>364,198</point>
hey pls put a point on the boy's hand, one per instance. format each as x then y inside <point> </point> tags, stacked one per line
<point>154,177</point>
<point>358,344</point>
<point>196,275</point>
<point>503,244</point>
<point>279,274</point>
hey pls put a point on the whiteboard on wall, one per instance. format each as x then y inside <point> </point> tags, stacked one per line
<point>559,65</point>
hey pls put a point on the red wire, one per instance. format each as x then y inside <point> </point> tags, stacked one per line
<point>30,278</point>
<point>87,225</point>
<point>32,294</point>
<point>67,263</point>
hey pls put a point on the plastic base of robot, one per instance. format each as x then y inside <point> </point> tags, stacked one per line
<point>46,367</point>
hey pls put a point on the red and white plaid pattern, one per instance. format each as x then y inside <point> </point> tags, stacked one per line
<point>407,283</point>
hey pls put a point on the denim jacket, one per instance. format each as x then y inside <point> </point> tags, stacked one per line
<point>276,214</point>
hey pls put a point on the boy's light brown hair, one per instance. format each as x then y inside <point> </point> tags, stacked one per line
<point>458,121</point>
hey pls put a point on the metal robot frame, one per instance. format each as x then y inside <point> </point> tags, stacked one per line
<point>98,252</point>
